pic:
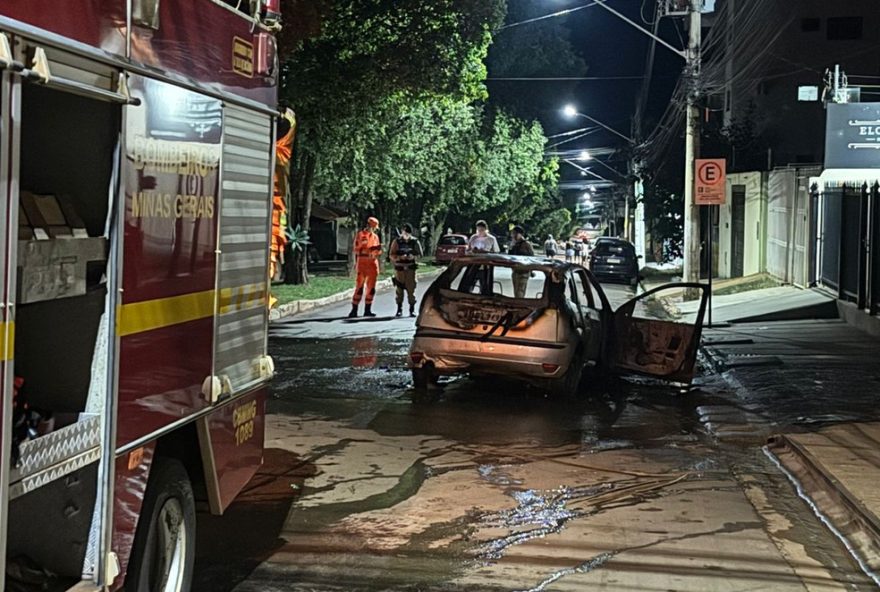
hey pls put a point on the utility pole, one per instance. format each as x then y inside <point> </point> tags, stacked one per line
<point>692,148</point>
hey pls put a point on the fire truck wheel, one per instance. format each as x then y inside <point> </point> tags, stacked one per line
<point>164,547</point>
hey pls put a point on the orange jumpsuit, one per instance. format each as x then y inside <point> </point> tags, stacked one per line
<point>367,251</point>
<point>283,154</point>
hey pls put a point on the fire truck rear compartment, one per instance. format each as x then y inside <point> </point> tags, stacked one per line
<point>67,151</point>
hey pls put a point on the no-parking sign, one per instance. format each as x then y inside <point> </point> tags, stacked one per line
<point>711,180</point>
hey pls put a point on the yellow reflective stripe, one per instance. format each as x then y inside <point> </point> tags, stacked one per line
<point>138,317</point>
<point>242,297</point>
<point>7,337</point>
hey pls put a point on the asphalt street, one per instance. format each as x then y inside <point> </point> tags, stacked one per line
<point>491,485</point>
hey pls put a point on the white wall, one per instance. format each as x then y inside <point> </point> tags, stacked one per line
<point>756,206</point>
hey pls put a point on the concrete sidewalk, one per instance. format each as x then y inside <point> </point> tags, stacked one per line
<point>839,469</point>
<point>768,304</point>
<point>809,387</point>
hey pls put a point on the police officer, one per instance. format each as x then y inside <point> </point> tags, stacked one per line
<point>405,252</point>
<point>367,251</point>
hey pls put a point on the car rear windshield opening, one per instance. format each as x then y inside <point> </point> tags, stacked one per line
<point>519,282</point>
<point>613,249</point>
<point>453,241</point>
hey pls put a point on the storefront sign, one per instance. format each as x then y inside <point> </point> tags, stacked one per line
<point>852,139</point>
<point>711,181</point>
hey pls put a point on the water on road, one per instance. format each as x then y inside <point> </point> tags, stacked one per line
<point>491,485</point>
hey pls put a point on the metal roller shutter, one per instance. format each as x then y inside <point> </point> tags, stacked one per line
<point>243,274</point>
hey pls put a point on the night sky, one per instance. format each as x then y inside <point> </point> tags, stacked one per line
<point>610,47</point>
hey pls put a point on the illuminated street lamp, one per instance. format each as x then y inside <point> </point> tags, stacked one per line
<point>570,111</point>
<point>585,156</point>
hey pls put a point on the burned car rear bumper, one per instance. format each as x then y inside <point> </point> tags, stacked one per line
<point>450,353</point>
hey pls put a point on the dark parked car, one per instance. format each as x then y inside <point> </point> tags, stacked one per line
<point>450,248</point>
<point>557,324</point>
<point>614,259</point>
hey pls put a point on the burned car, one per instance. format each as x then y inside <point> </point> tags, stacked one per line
<point>546,322</point>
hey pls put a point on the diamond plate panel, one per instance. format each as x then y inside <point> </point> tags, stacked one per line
<point>57,454</point>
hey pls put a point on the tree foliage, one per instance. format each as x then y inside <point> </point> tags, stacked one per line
<point>534,50</point>
<point>390,99</point>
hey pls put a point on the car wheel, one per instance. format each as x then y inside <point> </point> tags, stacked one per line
<point>568,385</point>
<point>164,547</point>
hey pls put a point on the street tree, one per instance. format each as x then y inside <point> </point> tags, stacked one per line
<point>366,55</point>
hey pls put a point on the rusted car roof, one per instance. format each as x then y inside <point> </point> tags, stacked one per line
<point>541,263</point>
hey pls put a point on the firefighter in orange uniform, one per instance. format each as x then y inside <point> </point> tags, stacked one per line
<point>367,251</point>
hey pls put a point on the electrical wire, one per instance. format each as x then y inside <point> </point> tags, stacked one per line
<point>562,78</point>
<point>749,33</point>
<point>574,139</point>
<point>571,133</point>
<point>548,16</point>
<point>650,22</point>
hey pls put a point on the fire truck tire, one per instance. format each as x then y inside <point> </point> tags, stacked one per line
<point>164,547</point>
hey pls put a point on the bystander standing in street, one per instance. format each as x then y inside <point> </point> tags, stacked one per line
<point>520,246</point>
<point>550,246</point>
<point>569,251</point>
<point>482,241</point>
<point>579,252</point>
<point>405,253</point>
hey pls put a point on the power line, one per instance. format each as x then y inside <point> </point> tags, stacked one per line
<point>549,16</point>
<point>571,133</point>
<point>562,78</point>
<point>590,131</point>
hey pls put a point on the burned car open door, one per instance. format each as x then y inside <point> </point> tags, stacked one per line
<point>645,340</point>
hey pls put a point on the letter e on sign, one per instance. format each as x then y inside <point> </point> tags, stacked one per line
<point>711,181</point>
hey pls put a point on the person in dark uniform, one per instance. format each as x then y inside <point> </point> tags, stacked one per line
<point>520,246</point>
<point>405,252</point>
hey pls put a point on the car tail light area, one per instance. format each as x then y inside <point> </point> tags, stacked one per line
<point>550,368</point>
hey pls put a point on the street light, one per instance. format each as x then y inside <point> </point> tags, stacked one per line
<point>585,156</point>
<point>570,111</point>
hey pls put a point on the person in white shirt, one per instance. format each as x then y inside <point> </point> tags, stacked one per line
<point>482,241</point>
<point>550,246</point>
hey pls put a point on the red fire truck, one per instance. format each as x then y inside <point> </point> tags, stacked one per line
<point>136,160</point>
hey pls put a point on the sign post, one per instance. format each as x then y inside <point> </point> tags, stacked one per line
<point>711,190</point>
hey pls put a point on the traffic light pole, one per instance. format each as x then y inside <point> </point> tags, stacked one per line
<point>692,148</point>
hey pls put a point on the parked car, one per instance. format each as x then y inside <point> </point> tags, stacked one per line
<point>614,259</point>
<point>472,322</point>
<point>450,247</point>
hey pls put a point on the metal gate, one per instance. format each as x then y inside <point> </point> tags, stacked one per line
<point>788,216</point>
<point>800,258</point>
<point>829,261</point>
<point>243,270</point>
<point>852,235</point>
<point>780,206</point>
<point>873,248</point>
<point>738,231</point>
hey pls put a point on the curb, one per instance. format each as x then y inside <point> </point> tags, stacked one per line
<point>291,309</point>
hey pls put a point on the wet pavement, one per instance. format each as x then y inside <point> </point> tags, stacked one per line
<point>490,485</point>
